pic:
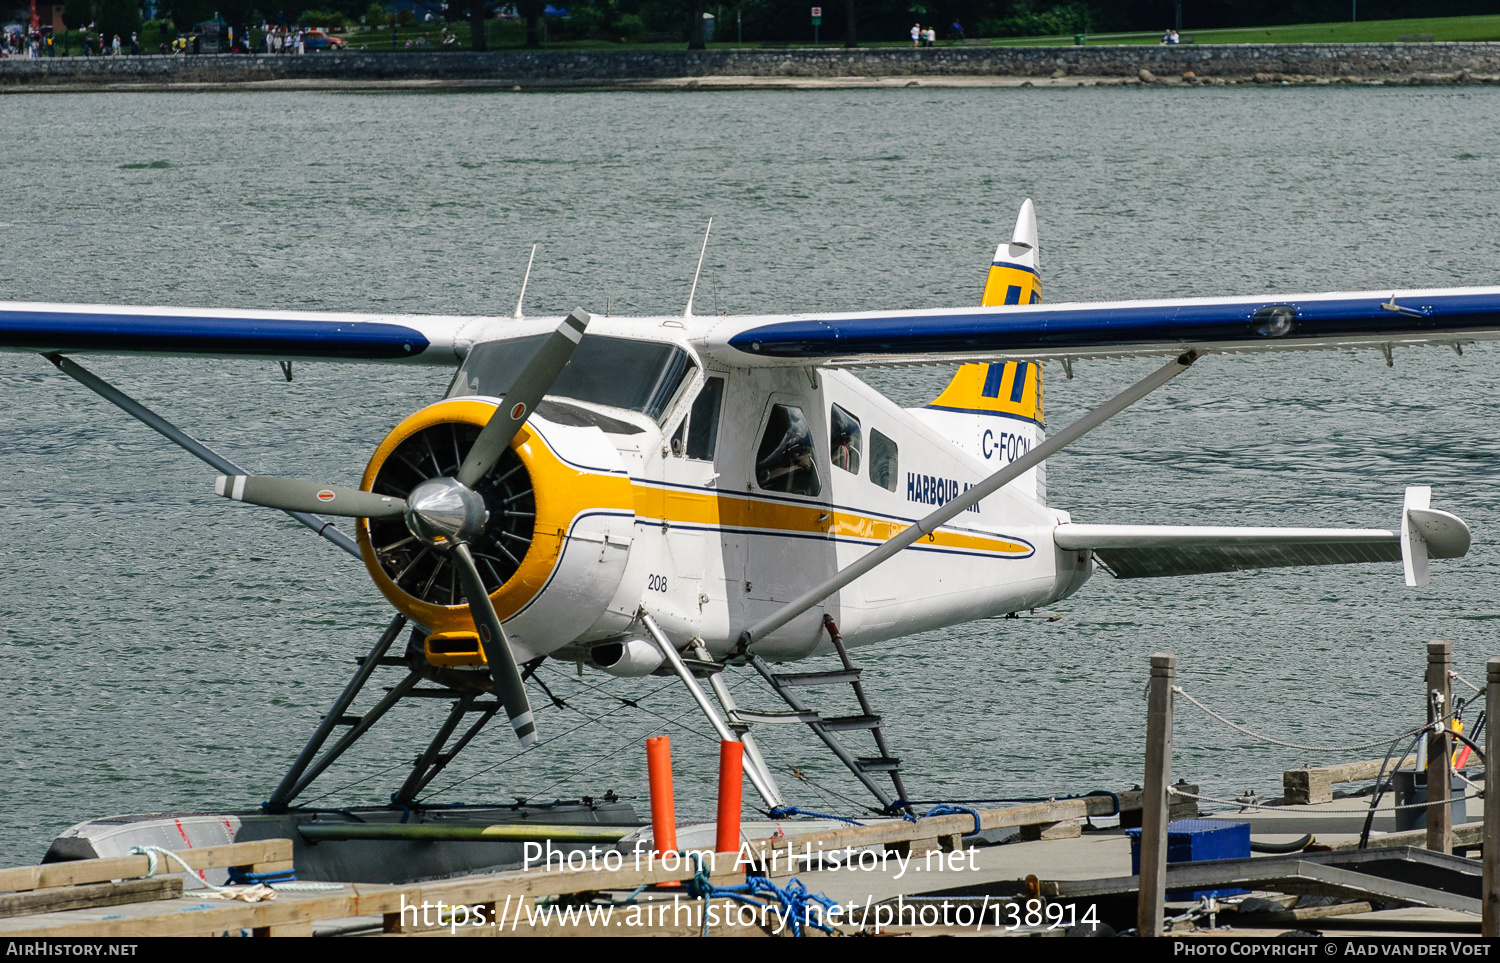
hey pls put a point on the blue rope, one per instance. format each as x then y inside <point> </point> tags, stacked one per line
<point>782,812</point>
<point>943,809</point>
<point>1113,798</point>
<point>239,876</point>
<point>793,898</point>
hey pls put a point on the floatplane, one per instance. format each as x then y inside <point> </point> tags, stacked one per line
<point>692,494</point>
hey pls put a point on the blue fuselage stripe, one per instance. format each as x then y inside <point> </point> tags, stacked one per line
<point>992,414</point>
<point>172,334</point>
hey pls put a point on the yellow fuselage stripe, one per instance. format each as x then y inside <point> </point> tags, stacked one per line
<point>676,506</point>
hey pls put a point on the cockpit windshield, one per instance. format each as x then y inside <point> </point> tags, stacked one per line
<point>642,376</point>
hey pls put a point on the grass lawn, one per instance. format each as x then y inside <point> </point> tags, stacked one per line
<point>1372,31</point>
<point>511,35</point>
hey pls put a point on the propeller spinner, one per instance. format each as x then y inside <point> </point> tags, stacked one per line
<point>446,513</point>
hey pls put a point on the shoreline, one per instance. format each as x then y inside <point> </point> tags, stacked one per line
<point>419,85</point>
<point>773,69</point>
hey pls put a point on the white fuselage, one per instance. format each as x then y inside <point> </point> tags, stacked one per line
<point>713,551</point>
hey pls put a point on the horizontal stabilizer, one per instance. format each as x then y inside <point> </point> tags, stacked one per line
<point>1147,551</point>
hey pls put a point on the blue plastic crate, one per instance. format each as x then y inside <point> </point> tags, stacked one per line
<point>1196,841</point>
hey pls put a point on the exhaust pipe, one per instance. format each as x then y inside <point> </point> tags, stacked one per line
<point>630,659</point>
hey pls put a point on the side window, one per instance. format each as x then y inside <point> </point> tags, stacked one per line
<point>703,423</point>
<point>785,460</point>
<point>883,461</point>
<point>844,440</point>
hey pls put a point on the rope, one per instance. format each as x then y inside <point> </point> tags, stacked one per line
<point>1292,745</point>
<point>1466,682</point>
<point>784,812</point>
<point>151,852</point>
<point>633,741</point>
<point>793,898</point>
<point>1242,805</point>
<point>588,720</point>
<point>943,809</point>
<point>826,792</point>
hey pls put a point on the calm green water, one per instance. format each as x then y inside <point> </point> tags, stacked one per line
<point>161,649</point>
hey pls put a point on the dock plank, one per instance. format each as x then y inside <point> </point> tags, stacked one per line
<point>58,898</point>
<point>74,872</point>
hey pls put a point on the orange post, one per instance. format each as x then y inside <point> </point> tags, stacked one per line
<point>731,784</point>
<point>663,811</point>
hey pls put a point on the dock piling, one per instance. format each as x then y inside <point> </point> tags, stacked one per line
<point>663,808</point>
<point>1439,750</point>
<point>1490,913</point>
<point>731,786</point>
<point>1154,803</point>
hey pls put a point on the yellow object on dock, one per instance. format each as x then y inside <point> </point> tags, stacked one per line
<point>498,833</point>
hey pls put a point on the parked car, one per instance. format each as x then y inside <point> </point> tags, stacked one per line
<point>318,40</point>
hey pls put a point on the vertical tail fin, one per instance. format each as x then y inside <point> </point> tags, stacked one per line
<point>1013,275</point>
<point>994,411</point>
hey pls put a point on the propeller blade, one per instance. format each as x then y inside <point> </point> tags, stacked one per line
<point>530,386</point>
<point>292,495</point>
<point>509,688</point>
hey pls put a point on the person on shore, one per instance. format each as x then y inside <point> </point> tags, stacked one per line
<point>958,30</point>
<point>916,35</point>
<point>930,37</point>
<point>135,45</point>
<point>114,47</point>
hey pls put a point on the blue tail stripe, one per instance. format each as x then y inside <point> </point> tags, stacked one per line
<point>992,380</point>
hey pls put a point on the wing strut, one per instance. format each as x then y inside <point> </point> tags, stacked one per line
<point>762,781</point>
<point>989,486</point>
<point>186,442</point>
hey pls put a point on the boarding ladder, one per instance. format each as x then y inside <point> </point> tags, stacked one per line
<point>827,728</point>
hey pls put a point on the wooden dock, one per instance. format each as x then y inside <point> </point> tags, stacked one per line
<point>1327,862</point>
<point>110,899</point>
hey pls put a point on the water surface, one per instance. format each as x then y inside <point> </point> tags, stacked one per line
<point>162,649</point>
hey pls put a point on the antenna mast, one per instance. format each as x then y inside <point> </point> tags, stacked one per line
<point>688,312</point>
<point>524,280</point>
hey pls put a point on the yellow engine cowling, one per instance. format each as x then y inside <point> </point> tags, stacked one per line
<point>555,548</point>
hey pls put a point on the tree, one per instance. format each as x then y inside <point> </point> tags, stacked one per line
<point>849,38</point>
<point>695,25</point>
<point>76,14</point>
<point>532,11</point>
<point>476,25</point>
<point>118,18</point>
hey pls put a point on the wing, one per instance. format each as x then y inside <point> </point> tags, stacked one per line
<point>211,333</point>
<point>1453,316</point>
<point>1147,551</point>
